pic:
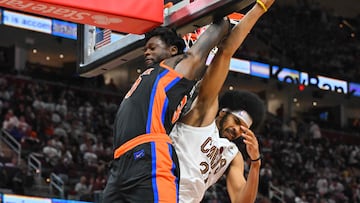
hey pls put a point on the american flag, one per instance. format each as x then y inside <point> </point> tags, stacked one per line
<point>102,38</point>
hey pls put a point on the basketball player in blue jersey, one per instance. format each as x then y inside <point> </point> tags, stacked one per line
<point>145,166</point>
<point>204,138</point>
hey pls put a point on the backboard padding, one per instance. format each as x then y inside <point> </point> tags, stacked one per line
<point>184,17</point>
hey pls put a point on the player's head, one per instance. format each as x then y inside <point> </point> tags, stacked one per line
<point>239,108</point>
<point>162,43</point>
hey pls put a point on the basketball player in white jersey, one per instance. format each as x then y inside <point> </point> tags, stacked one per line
<point>203,140</point>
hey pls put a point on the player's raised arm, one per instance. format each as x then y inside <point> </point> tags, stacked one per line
<point>241,30</point>
<point>193,64</point>
<point>205,107</point>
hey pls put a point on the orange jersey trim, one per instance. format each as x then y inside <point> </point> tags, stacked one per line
<point>165,182</point>
<point>141,139</point>
<point>162,64</point>
<point>160,99</point>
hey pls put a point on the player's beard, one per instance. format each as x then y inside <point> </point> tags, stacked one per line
<point>221,125</point>
<point>238,141</point>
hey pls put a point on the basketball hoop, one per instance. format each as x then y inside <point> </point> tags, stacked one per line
<point>235,17</point>
<point>191,38</point>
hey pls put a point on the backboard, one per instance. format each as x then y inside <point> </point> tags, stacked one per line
<point>185,16</point>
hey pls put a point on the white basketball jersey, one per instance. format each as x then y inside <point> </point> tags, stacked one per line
<point>203,157</point>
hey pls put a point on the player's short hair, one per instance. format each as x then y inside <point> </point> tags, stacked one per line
<point>169,36</point>
<point>236,100</point>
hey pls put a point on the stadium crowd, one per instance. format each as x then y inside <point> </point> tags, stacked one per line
<point>62,126</point>
<point>69,128</point>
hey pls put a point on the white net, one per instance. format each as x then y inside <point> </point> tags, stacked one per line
<point>191,38</point>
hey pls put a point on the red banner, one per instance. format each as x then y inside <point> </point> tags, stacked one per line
<point>129,16</point>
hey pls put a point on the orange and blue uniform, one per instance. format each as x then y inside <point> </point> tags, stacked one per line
<point>145,166</point>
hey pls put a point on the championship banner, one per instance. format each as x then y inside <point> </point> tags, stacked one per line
<point>128,16</point>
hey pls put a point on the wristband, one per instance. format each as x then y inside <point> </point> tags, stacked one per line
<point>256,159</point>
<point>262,5</point>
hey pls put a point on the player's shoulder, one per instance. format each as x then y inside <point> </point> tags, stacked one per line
<point>174,60</point>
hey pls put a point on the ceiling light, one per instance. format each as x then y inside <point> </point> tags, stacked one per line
<point>34,51</point>
<point>48,58</point>
<point>61,56</point>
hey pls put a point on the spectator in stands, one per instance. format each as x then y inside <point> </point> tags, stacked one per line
<point>61,107</point>
<point>98,148</point>
<point>10,124</point>
<point>31,143</point>
<point>289,194</point>
<point>60,131</point>
<point>64,168</point>
<point>265,179</point>
<point>52,152</point>
<point>55,117</point>
<point>77,129</point>
<point>23,127</point>
<point>38,103</point>
<point>315,132</point>
<point>5,91</point>
<point>83,189</point>
<point>354,158</point>
<point>86,148</point>
<point>322,185</point>
<point>99,182</point>
<point>336,188</point>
